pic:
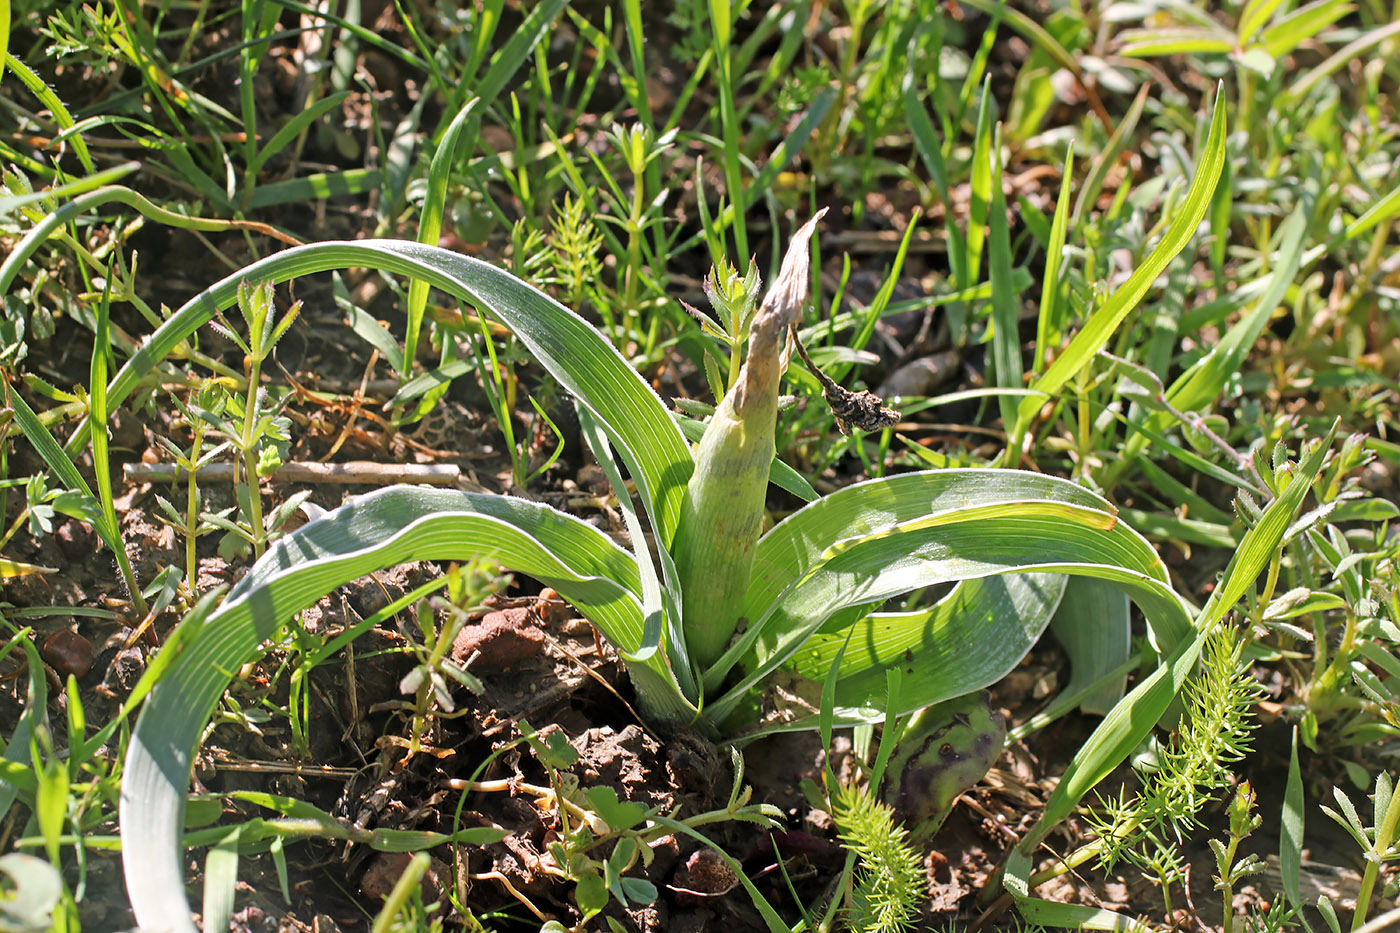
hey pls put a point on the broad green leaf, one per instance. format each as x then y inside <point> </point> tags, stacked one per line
<point>1093,625</point>
<point>794,545</point>
<point>368,329</point>
<point>968,640</point>
<point>1161,525</point>
<point>375,531</point>
<point>962,543</point>
<point>18,568</point>
<point>583,361</point>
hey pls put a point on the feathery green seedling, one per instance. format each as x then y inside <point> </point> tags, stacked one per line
<point>890,878</point>
<point>1187,773</point>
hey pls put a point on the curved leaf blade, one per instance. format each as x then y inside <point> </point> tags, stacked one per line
<point>375,531</point>
<point>970,639</point>
<point>982,541</point>
<point>796,543</point>
<point>575,353</point>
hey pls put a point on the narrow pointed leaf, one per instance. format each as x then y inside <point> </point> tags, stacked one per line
<point>1099,328</point>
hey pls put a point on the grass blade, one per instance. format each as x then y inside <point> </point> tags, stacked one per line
<point>101,462</point>
<point>517,51</point>
<point>46,95</point>
<point>58,460</point>
<point>17,751</point>
<point>1290,843</point>
<point>430,229</point>
<point>1049,324</point>
<point>1334,62</point>
<point>294,127</point>
<point>4,35</point>
<point>1098,329</point>
<point>1006,301</point>
<point>72,189</point>
<point>119,195</point>
<point>983,172</point>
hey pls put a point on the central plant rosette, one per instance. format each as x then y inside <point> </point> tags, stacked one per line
<point>810,592</point>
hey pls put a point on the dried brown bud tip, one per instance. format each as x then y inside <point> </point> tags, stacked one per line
<point>863,409</point>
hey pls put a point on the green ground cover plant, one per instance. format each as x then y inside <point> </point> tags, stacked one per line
<point>1156,244</point>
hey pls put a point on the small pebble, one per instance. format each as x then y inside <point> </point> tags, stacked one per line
<point>67,652</point>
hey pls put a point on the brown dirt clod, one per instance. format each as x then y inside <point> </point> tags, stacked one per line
<point>504,637</point>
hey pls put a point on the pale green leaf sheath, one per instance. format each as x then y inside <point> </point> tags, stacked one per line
<point>722,512</point>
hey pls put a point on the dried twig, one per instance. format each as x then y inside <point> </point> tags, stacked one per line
<point>354,473</point>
